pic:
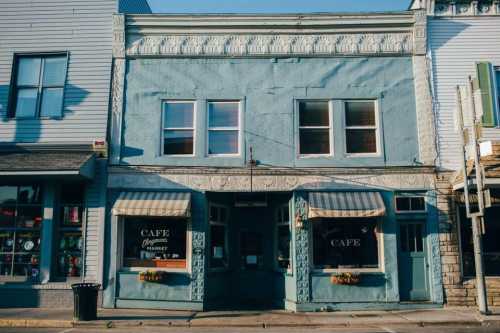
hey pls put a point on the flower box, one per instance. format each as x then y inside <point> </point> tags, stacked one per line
<point>346,278</point>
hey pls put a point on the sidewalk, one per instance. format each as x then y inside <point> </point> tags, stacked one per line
<point>16,317</point>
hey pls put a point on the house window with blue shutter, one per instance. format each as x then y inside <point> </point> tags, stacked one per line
<point>486,80</point>
<point>38,86</point>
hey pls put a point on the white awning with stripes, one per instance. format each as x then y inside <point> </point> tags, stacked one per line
<point>345,204</point>
<point>172,204</point>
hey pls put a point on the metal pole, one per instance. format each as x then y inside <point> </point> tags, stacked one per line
<point>460,116</point>
<point>477,217</point>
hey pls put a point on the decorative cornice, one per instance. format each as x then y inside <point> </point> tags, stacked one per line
<point>273,44</point>
<point>465,8</point>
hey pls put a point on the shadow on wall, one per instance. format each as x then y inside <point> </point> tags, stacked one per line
<point>30,130</point>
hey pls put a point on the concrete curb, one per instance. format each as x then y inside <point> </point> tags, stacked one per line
<point>47,323</point>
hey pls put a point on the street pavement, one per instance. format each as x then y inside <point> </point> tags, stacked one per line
<point>382,329</point>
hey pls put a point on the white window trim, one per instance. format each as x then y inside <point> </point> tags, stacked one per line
<point>298,128</point>
<point>163,129</point>
<point>381,255</point>
<point>410,211</point>
<point>226,237</point>
<point>376,127</point>
<point>496,93</point>
<point>279,223</point>
<point>121,239</point>
<point>229,128</point>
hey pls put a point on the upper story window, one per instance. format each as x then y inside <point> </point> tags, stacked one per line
<point>314,128</point>
<point>410,204</point>
<point>39,86</point>
<point>178,128</point>
<point>224,128</point>
<point>361,127</point>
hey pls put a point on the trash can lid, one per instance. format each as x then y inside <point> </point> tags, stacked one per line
<point>85,285</point>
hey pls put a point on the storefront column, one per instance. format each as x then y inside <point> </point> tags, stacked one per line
<point>301,238</point>
<point>47,246</point>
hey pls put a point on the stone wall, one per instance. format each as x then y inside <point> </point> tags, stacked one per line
<point>458,291</point>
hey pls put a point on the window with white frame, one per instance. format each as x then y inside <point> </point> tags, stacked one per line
<point>218,236</point>
<point>178,128</point>
<point>346,244</point>
<point>224,128</point>
<point>283,237</point>
<point>314,128</point>
<point>39,85</point>
<point>410,204</point>
<point>361,127</point>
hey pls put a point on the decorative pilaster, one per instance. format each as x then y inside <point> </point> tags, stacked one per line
<point>420,33</point>
<point>197,266</point>
<point>117,92</point>
<point>119,36</point>
<point>302,249</point>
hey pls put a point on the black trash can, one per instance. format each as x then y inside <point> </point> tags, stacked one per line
<point>85,301</point>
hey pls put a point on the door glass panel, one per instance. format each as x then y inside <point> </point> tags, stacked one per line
<point>418,235</point>
<point>411,237</point>
<point>403,232</point>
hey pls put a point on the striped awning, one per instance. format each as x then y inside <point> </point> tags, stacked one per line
<point>345,204</point>
<point>173,204</point>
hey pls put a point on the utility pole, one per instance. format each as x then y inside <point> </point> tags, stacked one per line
<point>477,217</point>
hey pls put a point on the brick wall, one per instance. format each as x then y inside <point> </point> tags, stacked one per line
<point>457,291</point>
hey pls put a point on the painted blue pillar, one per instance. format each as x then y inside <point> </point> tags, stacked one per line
<point>301,239</point>
<point>46,254</point>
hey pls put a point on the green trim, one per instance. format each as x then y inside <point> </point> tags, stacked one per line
<point>485,79</point>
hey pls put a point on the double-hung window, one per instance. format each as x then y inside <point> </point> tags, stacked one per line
<point>315,137</point>
<point>224,128</point>
<point>410,204</point>
<point>178,128</point>
<point>361,130</point>
<point>39,86</point>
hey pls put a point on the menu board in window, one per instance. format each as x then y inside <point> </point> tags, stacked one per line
<point>155,242</point>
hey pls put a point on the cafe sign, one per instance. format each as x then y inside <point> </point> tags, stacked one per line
<point>345,242</point>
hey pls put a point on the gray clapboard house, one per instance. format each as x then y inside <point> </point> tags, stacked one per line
<point>55,68</point>
<point>464,42</point>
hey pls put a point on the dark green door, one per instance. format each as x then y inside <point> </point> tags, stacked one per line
<point>413,280</point>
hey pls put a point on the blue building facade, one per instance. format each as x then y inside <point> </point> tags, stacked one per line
<point>271,161</point>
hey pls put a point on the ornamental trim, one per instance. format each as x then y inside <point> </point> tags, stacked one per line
<point>268,45</point>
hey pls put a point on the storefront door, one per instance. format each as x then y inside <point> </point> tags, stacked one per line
<point>253,278</point>
<point>413,280</point>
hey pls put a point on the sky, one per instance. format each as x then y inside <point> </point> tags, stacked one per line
<point>275,6</point>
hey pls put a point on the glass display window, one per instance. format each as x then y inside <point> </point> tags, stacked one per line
<point>283,237</point>
<point>346,243</point>
<point>20,236</point>
<point>155,242</point>
<point>70,235</point>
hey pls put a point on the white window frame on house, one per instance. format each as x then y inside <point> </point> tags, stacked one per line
<point>281,222</point>
<point>380,249</point>
<point>410,210</point>
<point>221,223</point>
<point>120,246</point>
<point>164,129</point>
<point>14,87</point>
<point>225,128</point>
<point>329,127</point>
<point>376,127</point>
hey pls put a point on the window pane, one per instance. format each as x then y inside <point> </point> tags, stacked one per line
<point>28,72</point>
<point>155,242</point>
<point>54,71</point>
<point>403,204</point>
<point>29,217</point>
<point>29,194</point>
<point>8,195</point>
<point>26,102</point>
<point>223,114</point>
<point>7,216</point>
<point>360,114</point>
<point>179,115</point>
<point>314,141</point>
<point>217,246</point>
<point>52,100</point>
<point>344,243</point>
<point>417,203</point>
<point>313,114</point>
<point>178,142</point>
<point>361,141</point>
<point>6,243</point>
<point>223,142</point>
<point>283,246</point>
